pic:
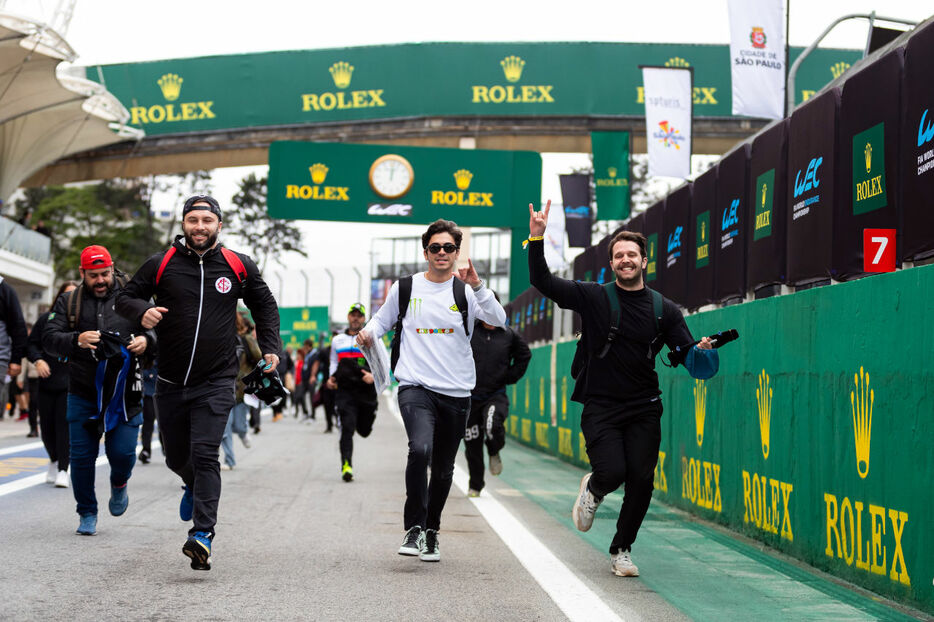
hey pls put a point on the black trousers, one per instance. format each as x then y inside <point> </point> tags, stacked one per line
<point>53,425</point>
<point>435,425</point>
<point>149,421</point>
<point>356,416</point>
<point>192,421</point>
<point>32,386</point>
<point>623,448</point>
<point>485,426</point>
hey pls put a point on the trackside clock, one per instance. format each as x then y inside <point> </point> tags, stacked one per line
<point>391,176</point>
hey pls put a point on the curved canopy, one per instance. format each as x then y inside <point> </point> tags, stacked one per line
<point>46,114</point>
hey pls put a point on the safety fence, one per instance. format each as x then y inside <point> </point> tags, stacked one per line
<point>814,437</point>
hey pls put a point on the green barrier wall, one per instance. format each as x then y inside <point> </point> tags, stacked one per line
<point>815,437</point>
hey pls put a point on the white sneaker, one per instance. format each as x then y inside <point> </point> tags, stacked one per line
<point>623,566</point>
<point>496,465</point>
<point>62,480</point>
<point>246,441</point>
<point>53,471</point>
<point>585,507</point>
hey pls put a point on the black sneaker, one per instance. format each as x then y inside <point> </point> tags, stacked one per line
<point>198,549</point>
<point>412,542</point>
<point>430,552</point>
<point>145,457</point>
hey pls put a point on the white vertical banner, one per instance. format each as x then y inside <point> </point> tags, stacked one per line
<point>757,58</point>
<point>668,119</point>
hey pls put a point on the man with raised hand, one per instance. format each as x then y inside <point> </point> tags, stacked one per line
<point>433,314</point>
<point>615,377</point>
<point>196,284</point>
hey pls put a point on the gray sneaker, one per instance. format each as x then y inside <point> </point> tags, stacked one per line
<point>412,542</point>
<point>496,465</point>
<point>585,507</point>
<point>623,566</point>
<point>430,552</point>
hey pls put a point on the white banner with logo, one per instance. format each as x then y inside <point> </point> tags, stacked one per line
<point>668,117</point>
<point>757,58</point>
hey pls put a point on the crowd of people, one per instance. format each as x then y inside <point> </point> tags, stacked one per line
<point>167,352</point>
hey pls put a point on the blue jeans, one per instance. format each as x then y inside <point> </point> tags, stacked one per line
<point>435,425</point>
<point>119,444</point>
<point>236,424</point>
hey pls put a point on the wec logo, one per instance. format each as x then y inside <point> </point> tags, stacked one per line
<point>810,177</point>
<point>925,134</point>
<point>674,239</point>
<point>730,217</point>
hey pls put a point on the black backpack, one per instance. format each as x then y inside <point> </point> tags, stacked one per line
<point>581,358</point>
<point>405,294</point>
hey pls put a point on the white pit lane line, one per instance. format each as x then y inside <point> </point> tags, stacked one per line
<point>578,602</point>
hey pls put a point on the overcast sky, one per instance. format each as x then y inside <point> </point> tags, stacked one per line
<point>117,31</point>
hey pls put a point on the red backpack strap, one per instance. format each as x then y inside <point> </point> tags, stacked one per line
<point>234,262</point>
<point>165,262</point>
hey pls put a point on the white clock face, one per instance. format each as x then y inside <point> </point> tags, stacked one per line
<point>391,176</point>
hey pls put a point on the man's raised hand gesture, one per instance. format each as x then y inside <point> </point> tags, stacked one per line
<point>538,220</point>
<point>469,275</point>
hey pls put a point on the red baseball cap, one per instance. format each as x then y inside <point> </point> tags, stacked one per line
<point>95,257</point>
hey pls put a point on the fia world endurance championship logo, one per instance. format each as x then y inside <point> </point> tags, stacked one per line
<point>668,135</point>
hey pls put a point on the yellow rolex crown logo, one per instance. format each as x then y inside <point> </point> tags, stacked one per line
<point>318,173</point>
<point>652,249</point>
<point>677,61</point>
<point>868,153</point>
<point>837,69</point>
<point>700,409</point>
<point>765,190</point>
<point>764,405</point>
<point>703,232</point>
<point>611,171</point>
<point>861,402</point>
<point>341,73</point>
<point>171,85</point>
<point>512,67</point>
<point>462,179</point>
<point>305,315</point>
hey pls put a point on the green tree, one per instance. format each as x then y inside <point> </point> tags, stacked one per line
<point>266,237</point>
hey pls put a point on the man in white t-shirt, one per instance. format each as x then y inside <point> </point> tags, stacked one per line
<point>436,374</point>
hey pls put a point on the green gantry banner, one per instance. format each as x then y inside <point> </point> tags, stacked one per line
<point>296,324</point>
<point>403,185</point>
<point>424,79</point>
<point>611,174</point>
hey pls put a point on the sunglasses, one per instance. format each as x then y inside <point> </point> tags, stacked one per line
<point>434,249</point>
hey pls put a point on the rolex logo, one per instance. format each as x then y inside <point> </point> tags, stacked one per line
<point>652,249</point>
<point>765,190</point>
<point>512,67</point>
<point>462,179</point>
<point>341,73</point>
<point>318,173</point>
<point>611,171</point>
<point>837,69</point>
<point>305,315</point>
<point>171,85</point>
<point>703,231</point>
<point>868,153</point>
<point>564,397</point>
<point>764,405</point>
<point>861,401</point>
<point>677,61</point>
<point>700,409</point>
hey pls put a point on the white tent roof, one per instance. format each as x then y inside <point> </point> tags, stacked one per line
<point>47,114</point>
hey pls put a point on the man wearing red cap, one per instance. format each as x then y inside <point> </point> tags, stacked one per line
<point>196,285</point>
<point>104,383</point>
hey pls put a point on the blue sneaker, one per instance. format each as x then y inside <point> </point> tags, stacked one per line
<point>119,500</point>
<point>198,548</point>
<point>187,507</point>
<point>88,525</point>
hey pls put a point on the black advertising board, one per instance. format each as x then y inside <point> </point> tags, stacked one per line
<point>730,215</point>
<point>702,256</point>
<point>636,224</point>
<point>812,187</point>
<point>869,133</point>
<point>652,230</point>
<point>678,231</point>
<point>578,216</point>
<point>917,146</point>
<point>768,176</point>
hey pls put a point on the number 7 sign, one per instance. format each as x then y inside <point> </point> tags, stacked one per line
<point>878,250</point>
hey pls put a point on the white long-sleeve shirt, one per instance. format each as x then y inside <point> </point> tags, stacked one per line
<point>435,351</point>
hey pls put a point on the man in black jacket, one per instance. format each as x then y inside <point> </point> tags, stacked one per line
<point>104,384</point>
<point>618,385</point>
<point>501,357</point>
<point>12,332</point>
<point>196,284</point>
